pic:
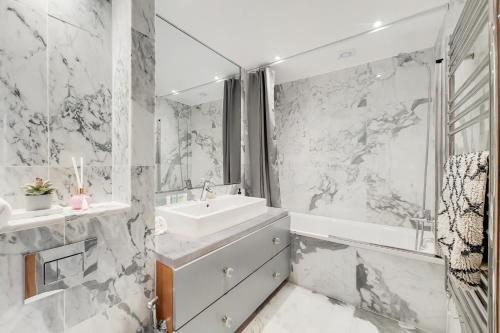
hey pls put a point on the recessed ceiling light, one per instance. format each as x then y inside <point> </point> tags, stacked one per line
<point>377,24</point>
<point>175,92</point>
<point>216,78</point>
<point>277,58</point>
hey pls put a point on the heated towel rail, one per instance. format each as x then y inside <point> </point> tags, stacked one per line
<point>471,113</point>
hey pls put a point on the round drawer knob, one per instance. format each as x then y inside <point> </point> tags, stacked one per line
<point>276,275</point>
<point>228,272</point>
<point>228,321</point>
<point>276,240</point>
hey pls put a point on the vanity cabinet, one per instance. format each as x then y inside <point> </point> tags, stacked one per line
<point>219,291</point>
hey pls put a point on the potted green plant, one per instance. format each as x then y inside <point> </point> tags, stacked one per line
<point>38,195</point>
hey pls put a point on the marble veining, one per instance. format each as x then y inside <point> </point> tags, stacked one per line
<point>190,143</point>
<point>296,309</point>
<point>121,62</point>
<point>44,315</point>
<point>58,83</point>
<point>389,285</point>
<point>143,99</point>
<point>80,95</point>
<point>143,18</point>
<point>93,16</point>
<point>13,178</point>
<point>350,142</point>
<point>97,180</point>
<point>376,295</point>
<point>55,92</point>
<point>23,101</point>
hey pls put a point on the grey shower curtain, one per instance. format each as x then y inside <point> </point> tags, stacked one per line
<point>231,131</point>
<point>262,179</point>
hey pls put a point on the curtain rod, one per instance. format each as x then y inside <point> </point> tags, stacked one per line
<point>366,32</point>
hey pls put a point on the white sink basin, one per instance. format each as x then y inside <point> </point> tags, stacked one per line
<point>201,218</point>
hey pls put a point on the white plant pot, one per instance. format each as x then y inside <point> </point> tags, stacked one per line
<point>37,202</point>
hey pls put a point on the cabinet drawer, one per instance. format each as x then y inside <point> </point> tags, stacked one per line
<point>202,282</point>
<point>230,311</point>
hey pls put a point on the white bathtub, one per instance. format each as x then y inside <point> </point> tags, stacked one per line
<point>371,266</point>
<point>389,239</point>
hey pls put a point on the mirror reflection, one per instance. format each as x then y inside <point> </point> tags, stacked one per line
<point>198,96</point>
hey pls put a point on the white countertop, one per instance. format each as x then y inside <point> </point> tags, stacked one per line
<point>176,250</point>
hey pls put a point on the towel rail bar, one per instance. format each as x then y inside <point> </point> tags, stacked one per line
<point>467,100</point>
<point>467,309</point>
<point>469,123</point>
<point>459,48</point>
<point>463,20</point>
<point>464,24</point>
<point>456,105</point>
<point>480,68</point>
<point>477,103</point>
<point>478,305</point>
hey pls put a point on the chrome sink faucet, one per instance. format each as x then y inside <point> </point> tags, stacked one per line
<point>206,189</point>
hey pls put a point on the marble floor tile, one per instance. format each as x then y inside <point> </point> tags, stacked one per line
<point>296,309</point>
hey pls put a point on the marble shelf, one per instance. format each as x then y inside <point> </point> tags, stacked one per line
<point>67,214</point>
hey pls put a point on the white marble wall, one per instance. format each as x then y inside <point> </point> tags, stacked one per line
<point>351,143</point>
<point>55,94</point>
<point>51,112</point>
<point>407,290</point>
<point>191,143</point>
<point>118,289</point>
<point>23,99</point>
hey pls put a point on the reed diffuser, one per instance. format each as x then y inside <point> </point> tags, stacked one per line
<point>80,200</point>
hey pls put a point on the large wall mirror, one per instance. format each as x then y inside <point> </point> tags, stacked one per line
<point>198,113</point>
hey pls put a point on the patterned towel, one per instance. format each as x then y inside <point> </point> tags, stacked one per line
<point>461,215</point>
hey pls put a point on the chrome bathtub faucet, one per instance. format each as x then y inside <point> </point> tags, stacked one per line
<point>420,228</point>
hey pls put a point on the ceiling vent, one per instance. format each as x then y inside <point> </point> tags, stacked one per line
<point>344,54</point>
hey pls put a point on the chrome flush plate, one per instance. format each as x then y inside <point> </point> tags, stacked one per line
<point>59,268</point>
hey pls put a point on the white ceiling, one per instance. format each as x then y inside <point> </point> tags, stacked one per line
<point>182,62</point>
<point>253,32</point>
<point>407,36</point>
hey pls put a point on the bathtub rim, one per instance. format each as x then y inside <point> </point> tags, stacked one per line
<point>411,254</point>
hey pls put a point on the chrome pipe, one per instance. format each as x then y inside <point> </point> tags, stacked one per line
<point>440,111</point>
<point>158,155</point>
<point>493,172</point>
